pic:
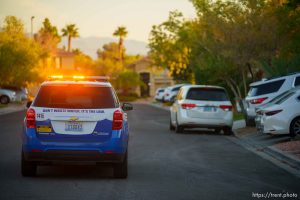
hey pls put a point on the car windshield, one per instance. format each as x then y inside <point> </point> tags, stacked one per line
<point>265,88</point>
<point>75,96</point>
<point>207,94</point>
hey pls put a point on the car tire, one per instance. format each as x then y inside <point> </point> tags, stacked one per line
<point>121,169</point>
<point>28,169</point>
<point>295,127</point>
<point>178,128</point>
<point>171,127</point>
<point>4,99</point>
<point>227,131</point>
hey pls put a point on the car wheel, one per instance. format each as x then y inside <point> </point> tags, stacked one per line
<point>178,128</point>
<point>28,169</point>
<point>121,169</point>
<point>227,131</point>
<point>4,99</point>
<point>295,127</point>
<point>171,127</point>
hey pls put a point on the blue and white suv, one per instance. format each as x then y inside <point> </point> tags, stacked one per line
<point>75,121</point>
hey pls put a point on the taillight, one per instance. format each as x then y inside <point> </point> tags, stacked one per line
<point>258,101</point>
<point>226,107</point>
<point>30,118</point>
<point>117,120</point>
<point>270,113</point>
<point>188,105</point>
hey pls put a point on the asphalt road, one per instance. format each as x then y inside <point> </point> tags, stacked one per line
<point>162,165</point>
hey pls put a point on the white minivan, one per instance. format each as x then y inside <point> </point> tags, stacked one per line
<point>202,106</point>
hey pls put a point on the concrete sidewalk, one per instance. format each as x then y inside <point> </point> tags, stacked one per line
<point>12,107</point>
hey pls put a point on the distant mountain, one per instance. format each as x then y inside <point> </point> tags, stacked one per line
<point>89,45</point>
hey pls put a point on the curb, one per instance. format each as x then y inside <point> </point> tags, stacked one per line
<point>284,157</point>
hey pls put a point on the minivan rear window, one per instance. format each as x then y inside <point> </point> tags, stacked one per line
<point>207,94</point>
<point>75,96</point>
<point>265,88</point>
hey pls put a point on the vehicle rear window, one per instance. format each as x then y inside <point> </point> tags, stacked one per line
<point>176,89</point>
<point>76,97</point>
<point>161,90</point>
<point>207,94</point>
<point>265,88</point>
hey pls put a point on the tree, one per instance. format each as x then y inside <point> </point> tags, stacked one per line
<point>48,37</point>
<point>126,81</point>
<point>71,31</point>
<point>121,32</point>
<point>170,47</point>
<point>19,55</point>
<point>13,26</point>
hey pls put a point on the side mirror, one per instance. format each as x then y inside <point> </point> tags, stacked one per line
<point>127,106</point>
<point>28,104</point>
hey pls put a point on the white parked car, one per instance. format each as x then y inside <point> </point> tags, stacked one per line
<point>262,92</point>
<point>7,96</point>
<point>282,116</point>
<point>202,106</point>
<point>159,94</point>
<point>171,92</point>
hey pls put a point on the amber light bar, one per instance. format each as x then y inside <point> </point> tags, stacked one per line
<point>76,77</point>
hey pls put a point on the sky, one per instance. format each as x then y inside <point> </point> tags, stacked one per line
<point>96,17</point>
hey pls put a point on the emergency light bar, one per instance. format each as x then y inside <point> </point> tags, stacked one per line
<point>79,78</point>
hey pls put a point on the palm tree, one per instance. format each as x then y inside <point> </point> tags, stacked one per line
<point>121,32</point>
<point>71,31</point>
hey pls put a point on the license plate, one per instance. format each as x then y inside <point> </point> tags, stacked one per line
<point>44,129</point>
<point>73,126</point>
<point>209,109</point>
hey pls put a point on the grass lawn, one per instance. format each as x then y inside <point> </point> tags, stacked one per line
<point>3,105</point>
<point>237,116</point>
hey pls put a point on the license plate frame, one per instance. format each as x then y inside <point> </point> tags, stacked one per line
<point>73,126</point>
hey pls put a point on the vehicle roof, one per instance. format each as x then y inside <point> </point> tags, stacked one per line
<point>203,86</point>
<point>274,79</point>
<point>76,82</point>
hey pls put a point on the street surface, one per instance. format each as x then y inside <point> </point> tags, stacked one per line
<point>162,165</point>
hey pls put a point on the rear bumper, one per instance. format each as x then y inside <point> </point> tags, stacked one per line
<point>186,121</point>
<point>273,125</point>
<point>72,157</point>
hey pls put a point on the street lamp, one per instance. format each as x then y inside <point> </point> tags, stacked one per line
<point>32,17</point>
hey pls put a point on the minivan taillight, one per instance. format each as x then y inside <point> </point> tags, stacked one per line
<point>30,118</point>
<point>258,101</point>
<point>188,105</point>
<point>117,120</point>
<point>226,107</point>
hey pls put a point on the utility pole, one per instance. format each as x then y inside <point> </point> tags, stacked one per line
<point>32,17</point>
